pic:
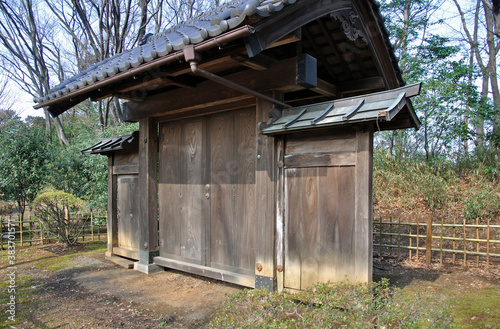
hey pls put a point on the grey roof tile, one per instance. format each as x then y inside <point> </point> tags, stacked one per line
<point>382,106</point>
<point>114,144</point>
<point>199,29</point>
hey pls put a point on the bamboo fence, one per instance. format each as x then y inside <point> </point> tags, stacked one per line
<point>457,241</point>
<point>31,231</point>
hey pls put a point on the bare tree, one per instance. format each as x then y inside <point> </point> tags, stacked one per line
<point>489,49</point>
<point>25,53</point>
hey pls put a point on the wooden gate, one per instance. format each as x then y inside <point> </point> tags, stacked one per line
<point>207,195</point>
<point>319,209</point>
<point>127,218</point>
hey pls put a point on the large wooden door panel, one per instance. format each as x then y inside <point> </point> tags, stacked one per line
<point>233,153</point>
<point>182,190</point>
<point>319,225</point>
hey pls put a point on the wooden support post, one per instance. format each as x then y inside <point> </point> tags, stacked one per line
<point>418,235</point>
<point>428,240</point>
<point>441,243</point>
<point>148,194</point>
<point>410,247</point>
<point>269,213</point>
<point>399,237</point>
<point>477,242</point>
<point>112,209</point>
<point>465,245</point>
<point>380,237</point>
<point>390,236</point>
<point>363,231</point>
<point>488,245</point>
<point>280,219</point>
<point>454,223</point>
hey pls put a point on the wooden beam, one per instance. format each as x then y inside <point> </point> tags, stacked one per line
<point>226,106</point>
<point>295,36</point>
<point>325,88</point>
<point>208,93</point>
<point>362,85</point>
<point>260,62</point>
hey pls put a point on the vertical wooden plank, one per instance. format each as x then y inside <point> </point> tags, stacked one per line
<point>124,227</point>
<point>280,215</point>
<point>266,201</point>
<point>112,209</point>
<point>182,189</point>
<point>336,230</point>
<point>310,226</point>
<point>222,250</point>
<point>244,185</point>
<point>170,189</point>
<point>364,206</point>
<point>193,189</point>
<point>293,240</point>
<point>147,194</point>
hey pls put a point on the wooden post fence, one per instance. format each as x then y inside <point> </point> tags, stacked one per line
<point>449,241</point>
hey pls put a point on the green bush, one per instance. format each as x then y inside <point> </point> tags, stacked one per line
<point>61,214</point>
<point>339,305</point>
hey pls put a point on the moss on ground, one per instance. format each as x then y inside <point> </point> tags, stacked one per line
<point>478,308</point>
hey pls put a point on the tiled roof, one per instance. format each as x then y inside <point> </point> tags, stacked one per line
<point>381,107</point>
<point>211,24</point>
<point>108,145</point>
<point>206,26</point>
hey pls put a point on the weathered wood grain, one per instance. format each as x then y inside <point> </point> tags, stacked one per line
<point>182,190</point>
<point>233,153</point>
<point>320,160</point>
<point>128,221</point>
<point>293,227</point>
<point>364,206</point>
<point>148,190</point>
<point>265,194</point>
<point>321,142</point>
<point>308,197</point>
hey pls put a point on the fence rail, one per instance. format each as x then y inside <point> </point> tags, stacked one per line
<point>445,239</point>
<point>31,231</point>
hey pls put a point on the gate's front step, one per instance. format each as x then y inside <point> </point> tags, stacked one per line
<point>123,262</point>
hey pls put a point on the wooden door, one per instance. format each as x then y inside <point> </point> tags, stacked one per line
<point>127,210</point>
<point>320,203</point>
<point>233,156</point>
<point>183,206</point>
<point>207,192</point>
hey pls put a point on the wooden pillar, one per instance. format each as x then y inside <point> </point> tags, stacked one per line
<point>112,209</point>
<point>265,178</point>
<point>148,194</point>
<point>364,206</point>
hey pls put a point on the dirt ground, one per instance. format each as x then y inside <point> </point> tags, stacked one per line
<point>90,292</point>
